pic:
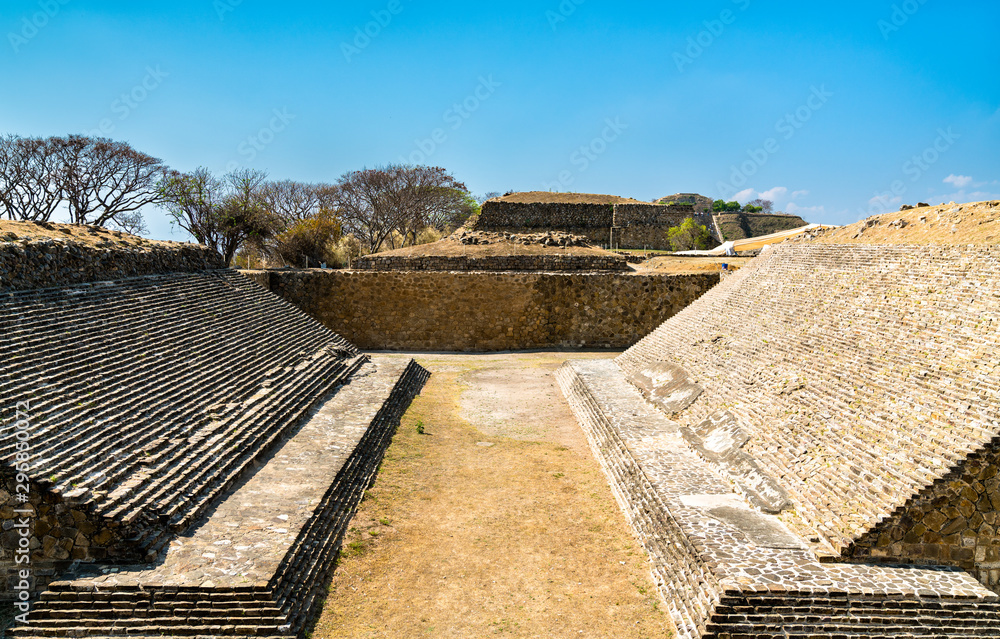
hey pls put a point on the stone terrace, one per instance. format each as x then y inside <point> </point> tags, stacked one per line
<point>858,380</point>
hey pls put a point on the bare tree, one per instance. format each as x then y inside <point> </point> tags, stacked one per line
<point>765,206</point>
<point>105,182</point>
<point>374,203</point>
<point>292,201</point>
<point>221,213</point>
<point>30,188</point>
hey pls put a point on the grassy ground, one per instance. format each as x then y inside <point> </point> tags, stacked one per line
<point>491,517</point>
<point>679,265</point>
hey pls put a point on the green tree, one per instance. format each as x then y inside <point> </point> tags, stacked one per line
<point>310,242</point>
<point>721,206</point>
<point>689,236</point>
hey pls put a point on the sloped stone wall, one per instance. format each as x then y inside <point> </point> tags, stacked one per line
<point>955,522</point>
<point>865,377</point>
<point>454,311</point>
<point>29,264</point>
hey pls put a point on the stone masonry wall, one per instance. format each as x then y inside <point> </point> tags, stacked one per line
<point>493,263</point>
<point>866,378</point>
<point>61,533</point>
<point>955,522</point>
<point>27,264</point>
<point>544,215</point>
<point>636,225</point>
<point>453,311</point>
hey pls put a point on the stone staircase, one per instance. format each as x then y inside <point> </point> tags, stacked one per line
<point>67,611</point>
<point>868,617</point>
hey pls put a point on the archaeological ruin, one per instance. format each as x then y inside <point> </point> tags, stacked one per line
<point>806,447</point>
<point>181,450</point>
<point>810,449</point>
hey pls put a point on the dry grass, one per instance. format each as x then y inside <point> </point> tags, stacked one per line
<point>536,197</point>
<point>497,521</point>
<point>88,235</point>
<point>948,224</point>
<point>679,265</point>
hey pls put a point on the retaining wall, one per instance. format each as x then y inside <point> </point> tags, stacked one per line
<point>493,263</point>
<point>30,264</point>
<point>455,311</point>
<point>636,225</point>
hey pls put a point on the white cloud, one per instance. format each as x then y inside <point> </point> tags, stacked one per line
<point>959,181</point>
<point>798,194</point>
<point>805,211</point>
<point>774,194</point>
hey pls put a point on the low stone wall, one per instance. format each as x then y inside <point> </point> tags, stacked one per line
<point>27,264</point>
<point>493,263</point>
<point>454,311</point>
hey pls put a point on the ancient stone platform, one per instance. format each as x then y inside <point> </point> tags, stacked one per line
<point>727,570</point>
<point>813,447</point>
<point>258,563</point>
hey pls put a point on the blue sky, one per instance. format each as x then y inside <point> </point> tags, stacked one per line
<point>836,110</point>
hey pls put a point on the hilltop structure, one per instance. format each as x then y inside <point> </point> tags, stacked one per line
<point>181,450</point>
<point>605,220</point>
<point>813,447</point>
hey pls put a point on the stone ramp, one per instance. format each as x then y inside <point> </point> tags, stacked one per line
<point>725,570</point>
<point>258,564</point>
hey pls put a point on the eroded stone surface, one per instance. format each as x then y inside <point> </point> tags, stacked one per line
<point>667,385</point>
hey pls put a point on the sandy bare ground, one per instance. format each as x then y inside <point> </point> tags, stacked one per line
<point>11,231</point>
<point>496,521</point>
<point>948,224</point>
<point>678,265</point>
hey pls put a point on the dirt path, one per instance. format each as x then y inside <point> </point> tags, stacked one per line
<point>496,521</point>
